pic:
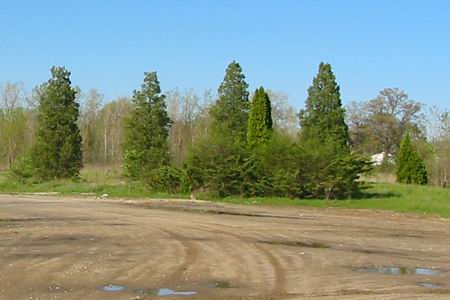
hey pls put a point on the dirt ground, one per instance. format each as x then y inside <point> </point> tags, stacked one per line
<point>79,248</point>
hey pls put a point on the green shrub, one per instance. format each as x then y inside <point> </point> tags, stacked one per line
<point>219,165</point>
<point>168,179</point>
<point>339,178</point>
<point>410,167</point>
<point>281,160</point>
<point>23,169</point>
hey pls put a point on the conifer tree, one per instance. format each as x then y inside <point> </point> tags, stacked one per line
<point>218,162</point>
<point>323,119</point>
<point>57,151</point>
<point>410,167</point>
<point>230,112</point>
<point>259,128</point>
<point>329,170</point>
<point>147,130</point>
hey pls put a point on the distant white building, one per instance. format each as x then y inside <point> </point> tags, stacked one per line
<point>378,158</point>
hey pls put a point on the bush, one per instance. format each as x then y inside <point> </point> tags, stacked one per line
<point>219,166</point>
<point>226,168</point>
<point>279,168</point>
<point>331,174</point>
<point>23,169</point>
<point>339,178</point>
<point>133,166</point>
<point>281,160</point>
<point>410,167</point>
<point>168,179</point>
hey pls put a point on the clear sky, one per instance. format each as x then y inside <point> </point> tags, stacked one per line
<point>109,44</point>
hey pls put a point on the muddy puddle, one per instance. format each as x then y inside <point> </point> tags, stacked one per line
<point>396,270</point>
<point>170,292</point>
<point>430,285</point>
<point>113,288</point>
<point>162,292</point>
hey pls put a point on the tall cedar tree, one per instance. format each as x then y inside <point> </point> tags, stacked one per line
<point>57,151</point>
<point>230,112</point>
<point>147,130</point>
<point>329,169</point>
<point>323,120</point>
<point>259,129</point>
<point>218,162</point>
<point>410,167</point>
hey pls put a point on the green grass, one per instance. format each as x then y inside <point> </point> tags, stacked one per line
<point>94,180</point>
<point>385,196</point>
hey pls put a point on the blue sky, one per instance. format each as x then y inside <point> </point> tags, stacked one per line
<point>109,44</point>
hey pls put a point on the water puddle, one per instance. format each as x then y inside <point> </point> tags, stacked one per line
<point>430,285</point>
<point>395,270</point>
<point>113,288</point>
<point>163,292</point>
<point>170,292</point>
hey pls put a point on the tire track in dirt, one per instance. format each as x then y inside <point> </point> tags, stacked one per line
<point>278,280</point>
<point>190,256</point>
<point>259,257</point>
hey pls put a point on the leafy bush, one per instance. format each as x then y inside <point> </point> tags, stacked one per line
<point>279,168</point>
<point>340,177</point>
<point>219,166</point>
<point>410,167</point>
<point>281,160</point>
<point>329,172</point>
<point>23,169</point>
<point>168,179</point>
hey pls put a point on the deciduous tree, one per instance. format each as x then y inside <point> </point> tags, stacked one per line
<point>378,125</point>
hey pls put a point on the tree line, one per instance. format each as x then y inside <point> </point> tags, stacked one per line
<point>229,143</point>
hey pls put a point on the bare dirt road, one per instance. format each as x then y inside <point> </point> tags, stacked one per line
<point>78,248</point>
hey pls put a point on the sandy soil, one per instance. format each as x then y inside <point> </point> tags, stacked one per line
<point>70,248</point>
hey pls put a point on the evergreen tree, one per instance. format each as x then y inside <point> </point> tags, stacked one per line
<point>57,151</point>
<point>218,162</point>
<point>259,128</point>
<point>410,167</point>
<point>323,120</point>
<point>329,169</point>
<point>147,130</point>
<point>230,112</point>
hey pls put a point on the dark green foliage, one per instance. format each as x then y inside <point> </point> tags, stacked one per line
<point>218,164</point>
<point>220,161</point>
<point>323,119</point>
<point>23,168</point>
<point>147,130</point>
<point>225,168</point>
<point>329,169</point>
<point>230,112</point>
<point>57,151</point>
<point>338,179</point>
<point>259,128</point>
<point>168,179</point>
<point>280,163</point>
<point>320,167</point>
<point>281,168</point>
<point>410,167</point>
